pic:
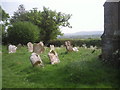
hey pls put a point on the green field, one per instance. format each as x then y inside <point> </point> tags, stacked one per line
<point>80,69</point>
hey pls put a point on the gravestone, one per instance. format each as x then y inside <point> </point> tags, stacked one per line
<point>53,56</point>
<point>84,46</point>
<point>30,47</point>
<point>75,49</point>
<point>111,35</point>
<point>12,48</point>
<point>68,46</point>
<point>38,48</point>
<point>36,60</point>
<point>52,47</point>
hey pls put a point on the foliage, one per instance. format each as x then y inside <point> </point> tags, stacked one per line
<point>77,42</point>
<point>47,20</point>
<point>23,32</point>
<point>76,70</point>
<point>50,23</point>
<point>19,14</point>
<point>3,15</point>
<point>3,19</point>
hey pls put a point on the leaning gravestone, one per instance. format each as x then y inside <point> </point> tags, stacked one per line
<point>68,46</point>
<point>30,47</point>
<point>38,48</point>
<point>36,60</point>
<point>111,35</point>
<point>12,48</point>
<point>53,56</point>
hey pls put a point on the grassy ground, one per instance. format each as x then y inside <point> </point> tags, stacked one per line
<point>76,70</point>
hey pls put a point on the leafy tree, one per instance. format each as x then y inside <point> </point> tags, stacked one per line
<point>3,19</point>
<point>47,20</point>
<point>23,32</point>
<point>51,22</point>
<point>19,15</point>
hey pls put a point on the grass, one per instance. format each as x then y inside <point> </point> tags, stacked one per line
<point>80,69</point>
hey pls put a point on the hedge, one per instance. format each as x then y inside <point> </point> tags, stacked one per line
<point>77,42</point>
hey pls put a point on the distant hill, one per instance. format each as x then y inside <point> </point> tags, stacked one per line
<point>86,33</point>
<point>82,35</point>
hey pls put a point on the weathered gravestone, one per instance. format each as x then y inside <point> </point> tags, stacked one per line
<point>19,45</point>
<point>53,56</point>
<point>36,60</point>
<point>84,46</point>
<point>68,46</point>
<point>12,48</point>
<point>111,35</point>
<point>38,48</point>
<point>30,47</point>
<point>52,47</point>
<point>75,49</point>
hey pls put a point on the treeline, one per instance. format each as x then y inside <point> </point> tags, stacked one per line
<point>33,25</point>
<point>77,42</point>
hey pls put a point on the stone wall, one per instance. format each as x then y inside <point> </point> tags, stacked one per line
<point>111,35</point>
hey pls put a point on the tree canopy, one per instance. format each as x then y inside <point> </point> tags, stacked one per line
<point>48,21</point>
<point>23,32</point>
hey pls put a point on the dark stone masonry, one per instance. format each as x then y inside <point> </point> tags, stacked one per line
<point>111,35</point>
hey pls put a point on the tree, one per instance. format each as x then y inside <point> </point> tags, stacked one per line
<point>48,21</point>
<point>51,22</point>
<point>3,19</point>
<point>23,32</point>
<point>19,15</point>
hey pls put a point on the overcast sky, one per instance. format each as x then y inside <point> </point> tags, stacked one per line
<point>87,15</point>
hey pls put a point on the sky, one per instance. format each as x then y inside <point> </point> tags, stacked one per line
<point>87,15</point>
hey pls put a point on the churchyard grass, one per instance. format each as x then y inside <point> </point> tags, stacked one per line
<point>81,69</point>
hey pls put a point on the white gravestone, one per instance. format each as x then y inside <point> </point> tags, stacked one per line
<point>53,56</point>
<point>52,47</point>
<point>36,60</point>
<point>38,48</point>
<point>12,48</point>
<point>30,47</point>
<point>75,49</point>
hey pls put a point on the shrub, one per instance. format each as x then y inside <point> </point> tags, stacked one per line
<point>23,32</point>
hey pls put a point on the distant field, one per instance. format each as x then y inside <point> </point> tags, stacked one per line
<point>80,69</point>
<point>80,36</point>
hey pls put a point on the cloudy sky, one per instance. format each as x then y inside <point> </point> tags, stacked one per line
<point>87,15</point>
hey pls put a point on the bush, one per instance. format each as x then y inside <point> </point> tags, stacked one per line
<point>23,32</point>
<point>77,42</point>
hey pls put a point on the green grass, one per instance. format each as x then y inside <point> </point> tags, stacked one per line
<point>80,69</point>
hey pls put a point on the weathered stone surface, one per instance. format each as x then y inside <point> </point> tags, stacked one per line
<point>36,60</point>
<point>30,47</point>
<point>53,56</point>
<point>12,48</point>
<point>111,35</point>
<point>38,48</point>
<point>68,46</point>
